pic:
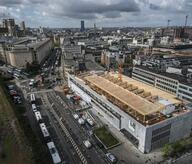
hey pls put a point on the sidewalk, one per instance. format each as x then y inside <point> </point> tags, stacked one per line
<point>127,152</point>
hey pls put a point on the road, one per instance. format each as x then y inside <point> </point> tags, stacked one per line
<point>65,131</point>
<point>77,132</point>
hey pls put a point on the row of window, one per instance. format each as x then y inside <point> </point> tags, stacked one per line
<point>160,136</point>
<point>160,130</point>
<point>185,93</point>
<point>97,99</point>
<point>167,84</point>
<point>183,87</point>
<point>148,75</point>
<point>146,72</point>
<point>165,88</point>
<point>186,98</point>
<point>142,79</point>
<point>156,75</point>
<point>144,75</point>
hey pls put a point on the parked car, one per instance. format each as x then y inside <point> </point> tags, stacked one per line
<point>87,144</point>
<point>75,116</point>
<point>111,157</point>
<point>81,121</point>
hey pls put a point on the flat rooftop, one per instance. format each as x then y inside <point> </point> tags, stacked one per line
<point>136,101</point>
<point>133,101</point>
<point>154,91</point>
<point>181,79</point>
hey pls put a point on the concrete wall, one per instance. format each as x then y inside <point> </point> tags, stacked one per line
<point>18,56</point>
<point>180,128</point>
<point>140,130</point>
<point>43,51</point>
<point>19,59</point>
<point>169,130</point>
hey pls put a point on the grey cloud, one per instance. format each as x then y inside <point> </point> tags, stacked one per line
<point>154,7</point>
<point>113,14</point>
<point>8,3</point>
<point>91,9</point>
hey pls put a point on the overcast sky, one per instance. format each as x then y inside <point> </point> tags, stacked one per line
<point>115,13</point>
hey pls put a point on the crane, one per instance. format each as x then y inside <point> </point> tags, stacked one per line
<point>120,72</point>
<point>168,22</point>
<point>186,18</point>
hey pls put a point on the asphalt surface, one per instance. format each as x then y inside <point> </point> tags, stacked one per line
<point>64,130</point>
<point>78,132</point>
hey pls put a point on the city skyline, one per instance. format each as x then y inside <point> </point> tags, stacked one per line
<point>105,13</point>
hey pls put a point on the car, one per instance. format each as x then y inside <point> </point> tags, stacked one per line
<point>11,87</point>
<point>87,144</point>
<point>34,108</point>
<point>81,121</point>
<point>10,72</point>
<point>90,122</point>
<point>17,99</point>
<point>90,132</point>
<point>76,116</point>
<point>13,92</point>
<point>111,157</point>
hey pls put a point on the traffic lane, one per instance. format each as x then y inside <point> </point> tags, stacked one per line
<point>64,149</point>
<point>79,133</point>
<point>85,128</point>
<point>58,117</point>
<point>67,127</point>
<point>64,143</point>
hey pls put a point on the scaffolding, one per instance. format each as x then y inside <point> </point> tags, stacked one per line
<point>134,101</point>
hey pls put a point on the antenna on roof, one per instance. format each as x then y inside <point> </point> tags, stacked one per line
<point>186,18</point>
<point>168,22</point>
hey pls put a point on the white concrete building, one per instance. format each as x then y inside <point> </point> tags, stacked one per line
<point>20,53</point>
<point>172,83</point>
<point>147,133</point>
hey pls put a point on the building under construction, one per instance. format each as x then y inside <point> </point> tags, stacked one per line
<point>147,116</point>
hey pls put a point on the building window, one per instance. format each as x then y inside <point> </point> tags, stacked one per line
<point>183,87</point>
<point>132,125</point>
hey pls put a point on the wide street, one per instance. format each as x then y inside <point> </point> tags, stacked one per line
<point>57,113</point>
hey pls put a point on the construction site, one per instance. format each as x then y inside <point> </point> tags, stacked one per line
<point>147,116</point>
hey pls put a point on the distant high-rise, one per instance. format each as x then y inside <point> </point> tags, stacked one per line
<point>10,25</point>
<point>22,26</point>
<point>5,23</point>
<point>82,26</point>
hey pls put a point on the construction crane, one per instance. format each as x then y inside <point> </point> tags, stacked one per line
<point>168,22</point>
<point>186,18</point>
<point>120,72</point>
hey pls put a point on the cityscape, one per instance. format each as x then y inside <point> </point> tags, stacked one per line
<point>96,82</point>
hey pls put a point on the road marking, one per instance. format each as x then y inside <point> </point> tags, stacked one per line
<point>42,91</point>
<point>81,156</point>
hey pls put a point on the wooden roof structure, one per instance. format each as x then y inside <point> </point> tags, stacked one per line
<point>133,101</point>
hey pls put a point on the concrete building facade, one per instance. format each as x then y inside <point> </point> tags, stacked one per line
<point>144,137</point>
<point>20,53</point>
<point>167,82</point>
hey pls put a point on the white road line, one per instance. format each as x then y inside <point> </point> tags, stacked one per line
<point>84,161</point>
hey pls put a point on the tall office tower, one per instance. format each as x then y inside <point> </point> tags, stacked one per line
<point>22,26</point>
<point>5,23</point>
<point>10,24</point>
<point>82,26</point>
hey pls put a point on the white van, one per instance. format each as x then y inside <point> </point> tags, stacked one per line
<point>34,108</point>
<point>87,144</point>
<point>81,121</point>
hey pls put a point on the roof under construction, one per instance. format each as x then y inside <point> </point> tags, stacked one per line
<point>124,96</point>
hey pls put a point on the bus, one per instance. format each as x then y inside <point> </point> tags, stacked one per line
<point>54,153</point>
<point>34,108</point>
<point>32,98</point>
<point>44,130</point>
<point>38,116</point>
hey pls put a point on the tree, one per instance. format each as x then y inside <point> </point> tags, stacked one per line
<point>166,150</point>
